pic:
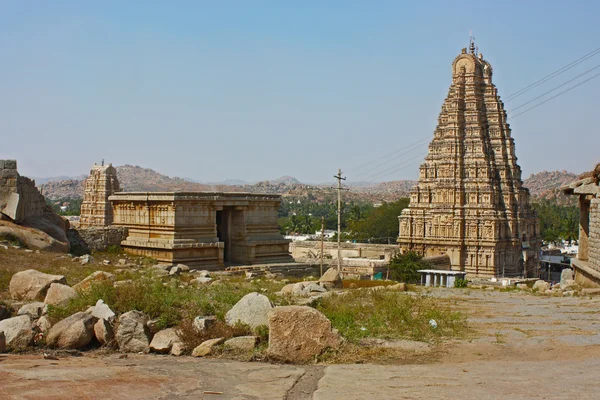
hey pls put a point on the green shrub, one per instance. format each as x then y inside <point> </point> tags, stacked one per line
<point>460,283</point>
<point>404,267</point>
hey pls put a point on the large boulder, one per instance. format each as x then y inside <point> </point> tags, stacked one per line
<point>298,333</point>
<point>43,324</point>
<point>331,279</point>
<point>164,340</point>
<point>104,332</point>
<point>74,332</point>
<point>59,294</point>
<point>133,335</point>
<point>252,310</point>
<point>18,331</point>
<point>34,310</point>
<point>566,275</point>
<point>207,347</point>
<point>103,311</point>
<point>53,225</point>
<point>540,286</point>
<point>94,278</point>
<point>32,284</point>
<point>33,238</point>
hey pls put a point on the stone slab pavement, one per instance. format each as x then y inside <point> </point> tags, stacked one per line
<point>165,377</point>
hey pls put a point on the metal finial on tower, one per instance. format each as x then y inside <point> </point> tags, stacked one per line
<point>471,42</point>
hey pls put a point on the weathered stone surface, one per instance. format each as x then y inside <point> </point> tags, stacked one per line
<point>178,349</point>
<point>252,310</point>
<point>94,278</point>
<point>331,279</point>
<point>153,325</point>
<point>183,268</point>
<point>566,275</point>
<point>34,310</point>
<point>32,284</point>
<point>206,347</point>
<point>104,332</point>
<point>243,343</point>
<point>103,311</point>
<point>100,238</point>
<point>299,333</point>
<point>399,287</point>
<point>33,238</point>
<point>5,311</point>
<point>163,341</point>
<point>59,294</point>
<point>568,285</point>
<point>2,342</point>
<point>96,210</point>
<point>203,323</point>
<point>133,335</point>
<point>541,286</point>
<point>298,289</point>
<point>201,280</point>
<point>522,286</point>
<point>18,331</point>
<point>313,288</point>
<point>74,332</point>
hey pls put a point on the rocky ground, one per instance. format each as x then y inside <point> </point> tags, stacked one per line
<point>523,346</point>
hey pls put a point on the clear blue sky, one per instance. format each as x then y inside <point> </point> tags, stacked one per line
<point>259,89</point>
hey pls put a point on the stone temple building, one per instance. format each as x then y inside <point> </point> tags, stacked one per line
<point>100,184</point>
<point>470,203</point>
<point>208,229</point>
<point>587,263</point>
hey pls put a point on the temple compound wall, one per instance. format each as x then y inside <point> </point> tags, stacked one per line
<point>470,203</point>
<point>587,263</point>
<point>206,229</point>
<point>19,198</point>
<point>99,185</point>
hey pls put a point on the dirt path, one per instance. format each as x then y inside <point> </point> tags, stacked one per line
<point>525,347</point>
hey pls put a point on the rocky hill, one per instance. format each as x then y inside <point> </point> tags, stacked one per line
<point>545,185</point>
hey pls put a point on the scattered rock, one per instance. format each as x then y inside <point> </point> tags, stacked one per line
<point>299,333</point>
<point>207,347</point>
<point>18,331</point>
<point>164,267</point>
<point>331,279</point>
<point>34,310</point>
<point>122,261</point>
<point>94,278</point>
<point>59,294</point>
<point>102,311</point>
<point>201,274</point>
<point>568,285</point>
<point>313,288</point>
<point>32,284</point>
<point>569,293</point>
<point>294,289</point>
<point>566,275</point>
<point>106,262</point>
<point>203,323</point>
<point>201,280</point>
<point>5,311</point>
<point>243,343</point>
<point>153,325</point>
<point>540,286</point>
<point>133,335</point>
<point>2,342</point>
<point>183,268</point>
<point>252,310</point>
<point>43,324</point>
<point>399,287</point>
<point>587,291</point>
<point>85,259</point>
<point>522,286</point>
<point>104,332</point>
<point>163,341</point>
<point>122,283</point>
<point>73,332</point>
<point>178,349</point>
<point>408,345</point>
<point>175,270</point>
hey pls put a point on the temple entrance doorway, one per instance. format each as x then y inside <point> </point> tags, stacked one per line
<point>224,218</point>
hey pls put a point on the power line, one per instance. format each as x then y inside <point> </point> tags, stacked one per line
<point>557,87</point>
<point>553,74</point>
<point>395,168</point>
<point>556,95</point>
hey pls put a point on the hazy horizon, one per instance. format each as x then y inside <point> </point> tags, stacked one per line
<point>267,89</point>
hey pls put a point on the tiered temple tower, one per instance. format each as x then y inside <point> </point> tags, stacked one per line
<point>470,202</point>
<point>96,210</point>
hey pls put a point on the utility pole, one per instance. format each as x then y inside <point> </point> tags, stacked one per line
<point>339,215</point>
<point>322,239</point>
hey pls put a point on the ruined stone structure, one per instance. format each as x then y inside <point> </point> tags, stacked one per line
<point>19,198</point>
<point>100,184</point>
<point>470,202</point>
<point>587,263</point>
<point>202,228</point>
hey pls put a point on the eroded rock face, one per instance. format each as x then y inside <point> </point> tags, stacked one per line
<point>163,341</point>
<point>133,335</point>
<point>331,279</point>
<point>252,310</point>
<point>18,331</point>
<point>298,333</point>
<point>74,332</point>
<point>32,284</point>
<point>59,294</point>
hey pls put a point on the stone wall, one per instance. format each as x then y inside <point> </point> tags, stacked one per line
<point>19,198</point>
<point>594,235</point>
<point>101,238</point>
<point>301,251</point>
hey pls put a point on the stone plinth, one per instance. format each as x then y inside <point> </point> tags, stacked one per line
<point>470,203</point>
<point>206,229</point>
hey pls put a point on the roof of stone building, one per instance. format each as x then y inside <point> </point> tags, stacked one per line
<point>587,183</point>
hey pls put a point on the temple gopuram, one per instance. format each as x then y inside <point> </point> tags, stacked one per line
<point>470,204</point>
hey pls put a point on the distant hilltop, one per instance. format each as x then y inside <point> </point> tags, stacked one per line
<point>135,178</point>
